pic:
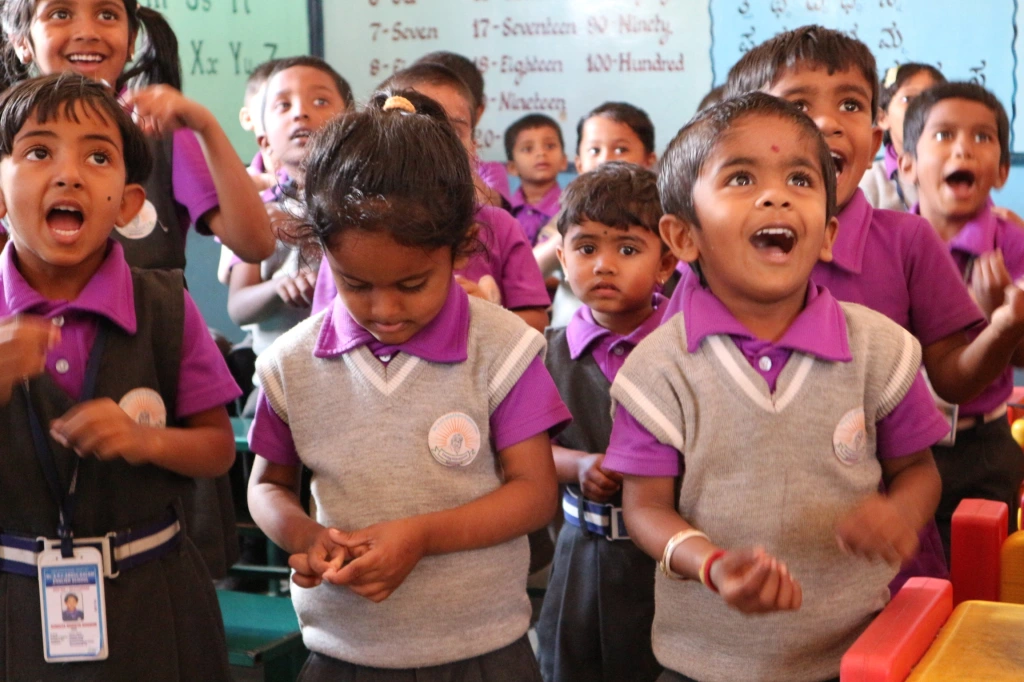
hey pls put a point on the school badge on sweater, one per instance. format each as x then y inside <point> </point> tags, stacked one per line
<point>454,439</point>
<point>850,440</point>
<point>145,407</point>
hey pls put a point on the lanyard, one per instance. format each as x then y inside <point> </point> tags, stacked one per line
<point>65,502</point>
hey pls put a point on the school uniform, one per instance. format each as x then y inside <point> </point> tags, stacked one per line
<point>882,186</point>
<point>505,255</point>
<point>532,217</point>
<point>595,623</point>
<point>984,461</point>
<point>162,614</point>
<point>476,371</point>
<point>778,441</point>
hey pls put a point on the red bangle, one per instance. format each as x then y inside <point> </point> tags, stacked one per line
<point>705,569</point>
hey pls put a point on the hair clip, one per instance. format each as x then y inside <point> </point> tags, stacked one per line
<point>890,76</point>
<point>400,103</point>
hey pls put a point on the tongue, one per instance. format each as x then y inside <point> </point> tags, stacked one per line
<point>64,221</point>
<point>961,189</point>
<point>776,242</point>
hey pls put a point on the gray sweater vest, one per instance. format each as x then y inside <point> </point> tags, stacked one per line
<point>775,470</point>
<point>362,427</point>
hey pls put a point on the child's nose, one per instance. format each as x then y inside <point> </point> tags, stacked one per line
<point>827,123</point>
<point>773,197</point>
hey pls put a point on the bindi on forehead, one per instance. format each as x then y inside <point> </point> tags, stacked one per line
<point>775,148</point>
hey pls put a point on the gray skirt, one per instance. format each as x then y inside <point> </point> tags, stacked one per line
<point>513,663</point>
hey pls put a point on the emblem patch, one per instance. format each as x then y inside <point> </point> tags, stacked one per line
<point>454,439</point>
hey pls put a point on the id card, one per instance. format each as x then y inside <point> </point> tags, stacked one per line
<point>72,603</point>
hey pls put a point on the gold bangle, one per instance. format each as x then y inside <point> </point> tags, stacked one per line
<point>665,565</point>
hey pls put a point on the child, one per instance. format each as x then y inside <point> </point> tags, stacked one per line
<point>301,95</point>
<point>889,261</point>
<point>504,261</point>
<point>197,177</point>
<point>105,356</point>
<point>901,84</point>
<point>436,497</point>
<point>491,173</point>
<point>536,155</point>
<point>595,623</point>
<point>781,410</point>
<point>614,131</point>
<point>957,151</point>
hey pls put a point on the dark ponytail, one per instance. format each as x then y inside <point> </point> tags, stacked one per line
<point>157,61</point>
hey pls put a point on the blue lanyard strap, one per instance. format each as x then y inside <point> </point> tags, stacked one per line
<point>65,502</point>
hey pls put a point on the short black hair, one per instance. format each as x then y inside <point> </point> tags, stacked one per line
<point>464,68</point>
<point>432,73</point>
<point>622,112</point>
<point>258,77</point>
<point>683,161</point>
<point>894,79</point>
<point>616,194</point>
<point>55,96</point>
<point>404,174</point>
<point>530,122</point>
<point>813,46</point>
<point>921,107</point>
<point>344,89</point>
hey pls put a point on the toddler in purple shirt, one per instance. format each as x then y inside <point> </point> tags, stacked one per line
<point>536,155</point>
<point>596,619</point>
<point>423,413</point>
<point>957,139</point>
<point>113,373</point>
<point>752,446</point>
<point>889,261</point>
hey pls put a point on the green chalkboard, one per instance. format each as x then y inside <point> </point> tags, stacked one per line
<point>220,41</point>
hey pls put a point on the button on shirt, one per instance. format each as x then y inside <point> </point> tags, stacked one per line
<point>819,330</point>
<point>608,349</point>
<point>204,381</point>
<point>533,217</point>
<point>531,407</point>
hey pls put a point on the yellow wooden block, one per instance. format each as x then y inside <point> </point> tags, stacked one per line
<point>981,641</point>
<point>1011,587</point>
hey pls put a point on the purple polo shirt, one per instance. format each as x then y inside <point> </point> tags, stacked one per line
<point>257,164</point>
<point>608,349</point>
<point>192,183</point>
<point>531,407</point>
<point>495,175</point>
<point>506,256</point>
<point>895,263</point>
<point>533,217</point>
<point>204,381</point>
<point>819,330</point>
<point>981,235</point>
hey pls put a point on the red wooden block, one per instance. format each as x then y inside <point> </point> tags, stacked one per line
<point>901,634</point>
<point>977,536</point>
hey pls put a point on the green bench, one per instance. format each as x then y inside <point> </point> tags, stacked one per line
<point>263,634</point>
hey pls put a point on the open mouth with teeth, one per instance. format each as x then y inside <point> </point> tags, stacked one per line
<point>779,240</point>
<point>65,221</point>
<point>301,135</point>
<point>839,161</point>
<point>84,59</point>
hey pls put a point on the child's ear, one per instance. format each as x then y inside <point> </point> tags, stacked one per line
<point>1004,175</point>
<point>652,158</point>
<point>579,165</point>
<point>245,119</point>
<point>679,235</point>
<point>560,252</point>
<point>3,205</point>
<point>466,248</point>
<point>22,49</point>
<point>511,167</point>
<point>908,168</point>
<point>666,266</point>
<point>831,228</point>
<point>565,163</point>
<point>876,140</point>
<point>132,199</point>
